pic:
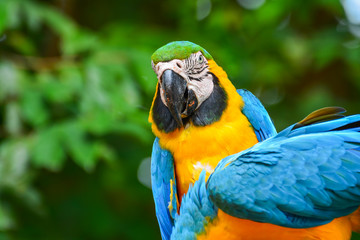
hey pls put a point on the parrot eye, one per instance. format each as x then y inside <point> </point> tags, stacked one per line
<point>200,59</point>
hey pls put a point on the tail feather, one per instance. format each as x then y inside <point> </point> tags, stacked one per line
<point>325,120</point>
<point>321,115</point>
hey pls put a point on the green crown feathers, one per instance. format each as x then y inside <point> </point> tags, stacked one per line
<point>177,50</point>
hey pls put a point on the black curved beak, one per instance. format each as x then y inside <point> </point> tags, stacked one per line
<point>180,101</point>
<point>174,87</point>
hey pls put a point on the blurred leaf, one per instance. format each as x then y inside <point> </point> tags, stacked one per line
<point>104,152</point>
<point>296,50</point>
<point>129,94</point>
<point>58,22</point>
<point>32,199</point>
<point>98,121</point>
<point>316,98</point>
<point>13,12</point>
<point>82,150</point>
<point>270,71</point>
<point>6,222</point>
<point>14,165</point>
<point>3,16</point>
<point>72,78</point>
<point>133,129</point>
<point>78,42</point>
<point>326,48</point>
<point>33,108</point>
<point>32,15</point>
<point>56,90</point>
<point>9,81</point>
<point>22,43</point>
<point>145,74</point>
<point>93,93</point>
<point>47,150</point>
<point>13,119</point>
<point>270,13</point>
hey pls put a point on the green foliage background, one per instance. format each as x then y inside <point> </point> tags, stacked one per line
<point>76,86</point>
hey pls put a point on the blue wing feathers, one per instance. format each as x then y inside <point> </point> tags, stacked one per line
<point>312,175</point>
<point>257,115</point>
<point>162,171</point>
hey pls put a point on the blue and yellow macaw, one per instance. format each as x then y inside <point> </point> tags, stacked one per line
<point>220,170</point>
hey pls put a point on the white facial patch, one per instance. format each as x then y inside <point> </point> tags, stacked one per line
<point>202,89</point>
<point>194,70</point>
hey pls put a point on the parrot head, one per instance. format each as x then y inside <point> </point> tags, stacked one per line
<point>189,90</point>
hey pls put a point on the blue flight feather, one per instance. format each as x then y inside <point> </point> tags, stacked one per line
<point>162,171</point>
<point>257,115</point>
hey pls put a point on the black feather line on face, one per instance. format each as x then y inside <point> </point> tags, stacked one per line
<point>193,79</point>
<point>212,108</point>
<point>162,116</point>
